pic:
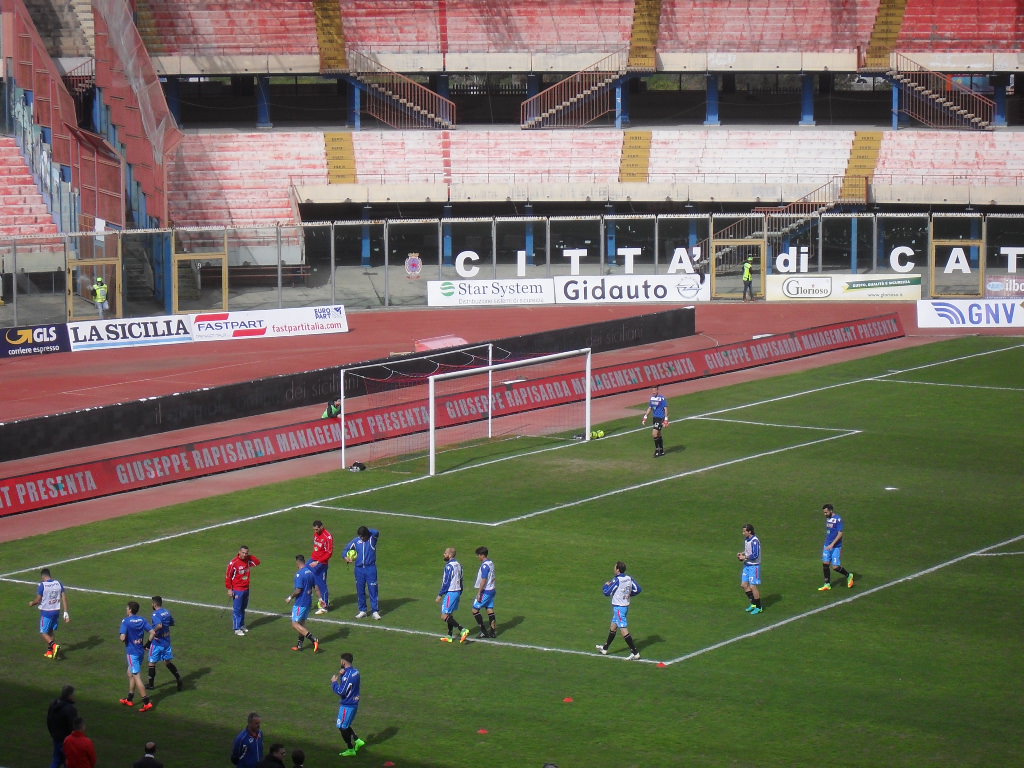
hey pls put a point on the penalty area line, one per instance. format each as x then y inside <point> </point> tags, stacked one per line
<point>844,601</point>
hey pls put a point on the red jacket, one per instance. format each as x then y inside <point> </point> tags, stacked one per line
<point>237,576</point>
<point>79,751</point>
<point>323,546</point>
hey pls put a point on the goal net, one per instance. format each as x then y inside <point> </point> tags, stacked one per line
<point>384,404</point>
<point>545,396</point>
<point>405,412</point>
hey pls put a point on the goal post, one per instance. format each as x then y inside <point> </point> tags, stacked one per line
<point>373,393</point>
<point>535,384</point>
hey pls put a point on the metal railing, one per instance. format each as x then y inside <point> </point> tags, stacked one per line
<point>578,99</point>
<point>397,100</point>
<point>938,100</point>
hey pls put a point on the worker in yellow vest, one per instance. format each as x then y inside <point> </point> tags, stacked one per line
<point>748,278</point>
<point>99,296</point>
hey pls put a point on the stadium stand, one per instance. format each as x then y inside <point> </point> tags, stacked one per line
<point>242,179</point>
<point>227,27</point>
<point>23,209</point>
<point>962,25</point>
<point>951,157</point>
<point>766,25</point>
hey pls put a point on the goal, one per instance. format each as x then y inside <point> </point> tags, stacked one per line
<point>403,412</point>
<point>539,396</point>
<point>383,404</point>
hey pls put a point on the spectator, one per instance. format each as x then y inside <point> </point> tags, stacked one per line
<point>274,758</point>
<point>79,751</point>
<point>298,758</point>
<point>60,721</point>
<point>148,759</point>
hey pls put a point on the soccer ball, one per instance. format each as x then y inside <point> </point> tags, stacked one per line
<point>597,433</point>
<point>351,554</point>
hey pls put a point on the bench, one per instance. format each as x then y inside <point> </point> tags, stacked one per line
<point>257,274</point>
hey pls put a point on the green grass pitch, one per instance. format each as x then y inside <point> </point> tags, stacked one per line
<point>920,450</point>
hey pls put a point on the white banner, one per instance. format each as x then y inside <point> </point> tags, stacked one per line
<point>631,289</point>
<point>129,332</point>
<point>297,321</point>
<point>968,314</point>
<point>479,293</point>
<point>839,287</point>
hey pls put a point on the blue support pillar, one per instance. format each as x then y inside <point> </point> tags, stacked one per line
<point>528,236</point>
<point>897,118</point>
<point>172,93</point>
<point>263,102</point>
<point>364,259</point>
<point>610,240</point>
<point>622,103</point>
<point>999,85</point>
<point>532,84</point>
<point>853,245</point>
<point>807,98</point>
<point>711,90</point>
<point>443,86</point>
<point>447,257</point>
<point>356,106</point>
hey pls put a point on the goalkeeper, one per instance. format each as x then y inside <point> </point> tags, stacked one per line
<point>658,408</point>
<point>362,552</point>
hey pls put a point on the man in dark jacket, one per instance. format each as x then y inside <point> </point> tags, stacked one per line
<point>274,758</point>
<point>60,720</point>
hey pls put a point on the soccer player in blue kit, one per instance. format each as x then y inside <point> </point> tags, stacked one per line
<point>133,635</point>
<point>657,408</point>
<point>832,552</point>
<point>621,588</point>
<point>346,684</point>
<point>750,580</point>
<point>160,648</point>
<point>50,597</point>
<point>365,546</point>
<point>305,581</point>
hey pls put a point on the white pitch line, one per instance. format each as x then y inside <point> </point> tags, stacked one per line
<point>385,513</point>
<point>958,386</point>
<point>844,601</point>
<point>998,554</point>
<point>375,626</point>
<point>570,651</point>
<point>495,461</point>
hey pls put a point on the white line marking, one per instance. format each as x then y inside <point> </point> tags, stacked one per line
<point>959,386</point>
<point>569,651</point>
<point>830,606</point>
<point>997,554</point>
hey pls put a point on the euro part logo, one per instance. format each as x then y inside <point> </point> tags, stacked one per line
<point>41,335</point>
<point>447,288</point>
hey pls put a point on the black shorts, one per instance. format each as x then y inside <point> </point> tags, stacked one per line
<point>658,423</point>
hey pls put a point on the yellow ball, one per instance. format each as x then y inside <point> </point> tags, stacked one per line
<point>351,554</point>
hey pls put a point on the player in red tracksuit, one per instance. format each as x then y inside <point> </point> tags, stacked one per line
<point>319,562</point>
<point>237,581</point>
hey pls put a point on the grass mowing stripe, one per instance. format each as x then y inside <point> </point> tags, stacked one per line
<point>984,551</point>
<point>677,476</point>
<point>958,386</point>
<point>765,423</point>
<point>530,453</point>
<point>844,601</point>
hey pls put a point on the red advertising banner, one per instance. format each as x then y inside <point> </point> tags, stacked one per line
<point>105,477</point>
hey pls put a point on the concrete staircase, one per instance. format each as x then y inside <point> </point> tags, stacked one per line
<point>885,34</point>
<point>635,162</point>
<point>643,38</point>
<point>341,158</point>
<point>66,27</point>
<point>861,168</point>
<point>330,33</point>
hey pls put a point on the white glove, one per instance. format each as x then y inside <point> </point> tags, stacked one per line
<point>67,616</point>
